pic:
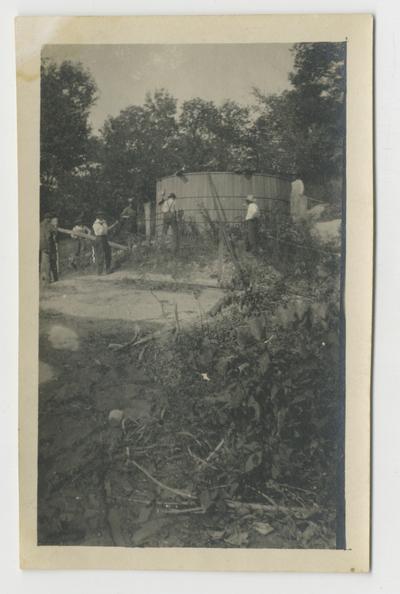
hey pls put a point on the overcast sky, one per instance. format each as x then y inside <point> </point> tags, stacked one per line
<point>125,73</point>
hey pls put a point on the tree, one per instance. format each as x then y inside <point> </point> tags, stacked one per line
<point>198,133</point>
<point>80,191</point>
<point>215,138</point>
<point>302,131</point>
<point>68,91</point>
<point>233,143</point>
<point>140,145</point>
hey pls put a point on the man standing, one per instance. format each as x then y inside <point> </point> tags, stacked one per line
<point>251,223</point>
<point>129,224</point>
<point>54,261</point>
<point>79,228</point>
<point>48,260</point>
<point>102,247</point>
<point>168,209</point>
<point>44,247</point>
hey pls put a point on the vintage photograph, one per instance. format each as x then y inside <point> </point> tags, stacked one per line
<point>191,319</point>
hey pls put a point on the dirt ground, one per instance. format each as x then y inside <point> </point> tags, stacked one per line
<point>87,494</point>
<point>116,461</point>
<point>124,296</point>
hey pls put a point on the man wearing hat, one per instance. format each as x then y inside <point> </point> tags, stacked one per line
<point>79,228</point>
<point>102,247</point>
<point>128,220</point>
<point>48,265</point>
<point>251,223</point>
<point>168,209</point>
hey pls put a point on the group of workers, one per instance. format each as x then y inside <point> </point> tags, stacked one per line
<point>168,210</point>
<point>101,252</point>
<point>127,222</point>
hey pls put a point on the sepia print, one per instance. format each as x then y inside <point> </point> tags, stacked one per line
<point>191,270</point>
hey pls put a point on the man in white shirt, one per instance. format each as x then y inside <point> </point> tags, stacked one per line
<point>102,247</point>
<point>251,223</point>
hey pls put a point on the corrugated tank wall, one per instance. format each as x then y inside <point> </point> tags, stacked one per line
<point>194,194</point>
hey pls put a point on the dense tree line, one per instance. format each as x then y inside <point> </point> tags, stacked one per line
<point>300,132</point>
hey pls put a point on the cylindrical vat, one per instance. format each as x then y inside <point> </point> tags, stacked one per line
<point>195,195</point>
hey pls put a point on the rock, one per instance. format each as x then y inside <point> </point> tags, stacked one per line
<point>263,528</point>
<point>315,212</point>
<point>62,337</point>
<point>46,373</point>
<point>328,231</point>
<point>115,417</point>
<point>138,409</point>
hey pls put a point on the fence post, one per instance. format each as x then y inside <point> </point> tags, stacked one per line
<point>220,251</point>
<point>147,219</point>
<point>277,247</point>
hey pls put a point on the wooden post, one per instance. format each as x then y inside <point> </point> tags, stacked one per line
<point>220,251</point>
<point>277,251</point>
<point>147,219</point>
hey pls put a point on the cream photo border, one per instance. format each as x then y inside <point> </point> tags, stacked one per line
<point>357,29</point>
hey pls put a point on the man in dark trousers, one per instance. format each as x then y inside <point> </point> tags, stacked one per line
<point>128,222</point>
<point>81,229</point>
<point>54,261</point>
<point>252,222</point>
<point>48,260</point>
<point>168,209</point>
<point>102,247</point>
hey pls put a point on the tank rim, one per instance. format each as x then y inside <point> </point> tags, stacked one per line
<point>281,176</point>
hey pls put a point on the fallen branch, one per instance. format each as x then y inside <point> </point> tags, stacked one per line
<point>134,342</point>
<point>170,506</point>
<point>293,488</point>
<point>219,446</point>
<point>187,434</point>
<point>300,512</point>
<point>159,483</point>
<point>266,497</point>
<point>221,303</point>
<point>113,244</point>
<point>192,510</point>
<point>201,462</point>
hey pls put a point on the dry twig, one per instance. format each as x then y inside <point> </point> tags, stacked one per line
<point>219,446</point>
<point>159,483</point>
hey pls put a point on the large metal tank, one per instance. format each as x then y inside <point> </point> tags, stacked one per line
<point>194,194</point>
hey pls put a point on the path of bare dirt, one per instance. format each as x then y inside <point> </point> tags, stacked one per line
<point>81,381</point>
<point>125,296</point>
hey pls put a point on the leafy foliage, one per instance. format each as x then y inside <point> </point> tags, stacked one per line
<point>299,132</point>
<point>271,361</point>
<point>68,91</point>
<point>140,145</point>
<point>302,131</point>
